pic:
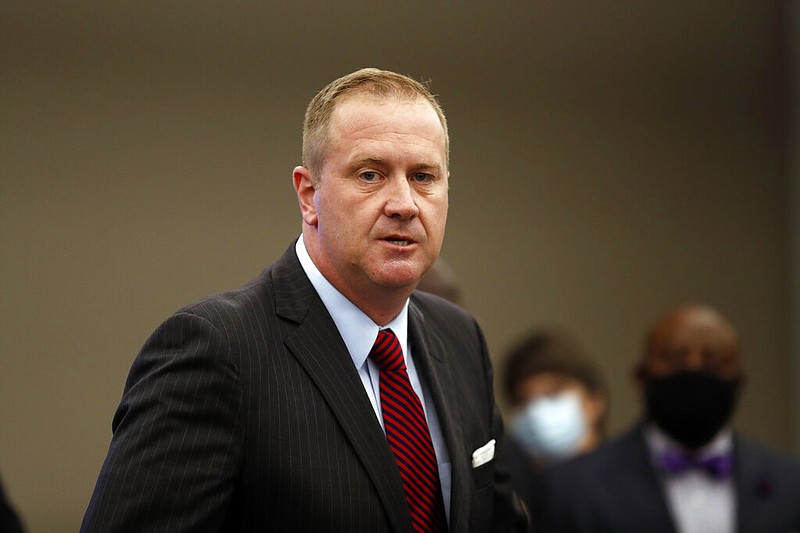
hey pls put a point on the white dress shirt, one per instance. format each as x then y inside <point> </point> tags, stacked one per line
<point>359,333</point>
<point>698,502</point>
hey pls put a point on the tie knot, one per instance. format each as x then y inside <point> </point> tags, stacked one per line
<point>386,352</point>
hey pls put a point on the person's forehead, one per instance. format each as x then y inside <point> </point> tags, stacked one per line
<point>366,108</point>
<point>677,340</point>
<point>361,121</point>
<point>694,327</point>
<point>548,381</point>
<point>362,98</point>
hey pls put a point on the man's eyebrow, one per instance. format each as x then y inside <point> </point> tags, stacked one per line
<point>369,159</point>
<point>380,161</point>
<point>359,163</point>
<point>427,166</point>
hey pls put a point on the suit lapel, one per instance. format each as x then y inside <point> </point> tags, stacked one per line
<point>320,350</point>
<point>636,487</point>
<point>429,349</point>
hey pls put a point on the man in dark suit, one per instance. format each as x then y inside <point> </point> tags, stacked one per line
<point>682,469</point>
<point>267,408</point>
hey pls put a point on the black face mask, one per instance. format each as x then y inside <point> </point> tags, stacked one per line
<point>691,407</point>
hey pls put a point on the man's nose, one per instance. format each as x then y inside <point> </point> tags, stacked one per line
<point>401,199</point>
<point>695,360</point>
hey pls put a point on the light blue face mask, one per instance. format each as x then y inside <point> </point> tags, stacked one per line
<point>551,427</point>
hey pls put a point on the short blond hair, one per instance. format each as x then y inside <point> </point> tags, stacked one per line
<point>373,81</point>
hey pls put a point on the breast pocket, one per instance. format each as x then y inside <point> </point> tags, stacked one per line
<point>483,475</point>
<point>483,464</point>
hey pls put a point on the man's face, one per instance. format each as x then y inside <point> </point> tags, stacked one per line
<point>376,218</point>
<point>695,339</point>
<point>691,375</point>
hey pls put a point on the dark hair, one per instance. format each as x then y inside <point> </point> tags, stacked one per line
<point>551,351</point>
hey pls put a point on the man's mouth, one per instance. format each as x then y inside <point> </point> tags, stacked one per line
<point>399,240</point>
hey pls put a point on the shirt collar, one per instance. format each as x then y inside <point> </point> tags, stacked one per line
<point>357,330</point>
<point>659,442</point>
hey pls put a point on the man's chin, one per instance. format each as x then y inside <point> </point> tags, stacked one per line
<point>398,273</point>
<point>392,279</point>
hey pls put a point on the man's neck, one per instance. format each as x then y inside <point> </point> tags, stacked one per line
<point>380,304</point>
<point>382,308</point>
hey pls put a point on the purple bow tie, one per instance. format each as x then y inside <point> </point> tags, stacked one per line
<point>718,466</point>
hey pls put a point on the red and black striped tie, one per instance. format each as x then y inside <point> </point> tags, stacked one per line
<point>408,436</point>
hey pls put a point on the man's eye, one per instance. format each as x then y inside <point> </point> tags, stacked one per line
<point>369,176</point>
<point>422,177</point>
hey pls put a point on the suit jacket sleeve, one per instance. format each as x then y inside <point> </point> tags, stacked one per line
<point>177,435</point>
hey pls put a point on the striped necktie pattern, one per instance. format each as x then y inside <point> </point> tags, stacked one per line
<point>408,436</point>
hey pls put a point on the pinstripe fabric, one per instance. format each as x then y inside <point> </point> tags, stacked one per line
<point>243,412</point>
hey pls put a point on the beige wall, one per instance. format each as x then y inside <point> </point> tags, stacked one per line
<point>608,162</point>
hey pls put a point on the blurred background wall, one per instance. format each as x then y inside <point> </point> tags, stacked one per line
<point>609,161</point>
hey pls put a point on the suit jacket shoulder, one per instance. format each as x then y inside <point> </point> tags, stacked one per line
<point>243,412</point>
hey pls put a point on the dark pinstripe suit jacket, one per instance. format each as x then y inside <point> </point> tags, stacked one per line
<point>244,412</point>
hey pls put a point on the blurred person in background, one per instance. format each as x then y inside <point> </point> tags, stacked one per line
<point>682,468</point>
<point>558,403</point>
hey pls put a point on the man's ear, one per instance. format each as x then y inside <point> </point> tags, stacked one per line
<point>304,186</point>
